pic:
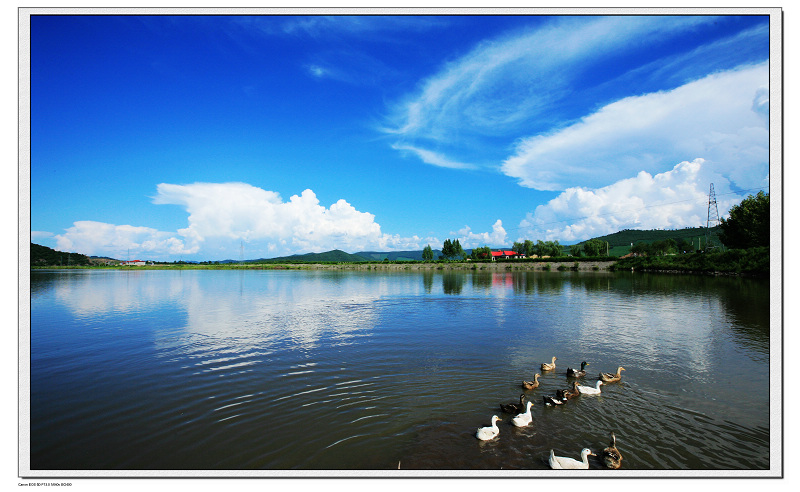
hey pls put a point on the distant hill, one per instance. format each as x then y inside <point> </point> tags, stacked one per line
<point>336,255</point>
<point>632,236</point>
<point>44,256</point>
<point>620,242</point>
<point>396,255</point>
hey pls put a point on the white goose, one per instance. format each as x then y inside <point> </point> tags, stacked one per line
<point>588,390</point>
<point>524,418</point>
<point>562,463</point>
<point>489,433</point>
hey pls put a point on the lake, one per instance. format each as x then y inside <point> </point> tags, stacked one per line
<point>324,371</point>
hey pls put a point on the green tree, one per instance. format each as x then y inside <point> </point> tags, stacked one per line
<point>748,223</point>
<point>447,249</point>
<point>483,253</point>
<point>452,250</point>
<point>427,253</point>
<point>640,249</point>
<point>529,246</point>
<point>458,251</point>
<point>594,247</point>
<point>663,247</point>
<point>684,246</point>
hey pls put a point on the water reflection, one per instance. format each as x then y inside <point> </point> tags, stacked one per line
<point>327,370</point>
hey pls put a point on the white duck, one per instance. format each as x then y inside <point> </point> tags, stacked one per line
<point>588,390</point>
<point>562,463</point>
<point>524,418</point>
<point>489,433</point>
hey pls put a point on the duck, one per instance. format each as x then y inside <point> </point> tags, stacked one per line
<point>612,458</point>
<point>514,407</point>
<point>549,367</point>
<point>572,373</point>
<point>552,401</point>
<point>588,390</point>
<point>529,385</point>
<point>490,432</point>
<point>607,377</point>
<point>525,418</point>
<point>562,463</point>
<point>568,394</point>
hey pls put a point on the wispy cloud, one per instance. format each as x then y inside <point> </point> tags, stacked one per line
<point>433,158</point>
<point>519,83</point>
<point>355,25</point>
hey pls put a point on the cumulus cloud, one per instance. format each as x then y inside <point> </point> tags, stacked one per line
<point>674,199</point>
<point>240,211</point>
<point>469,239</point>
<point>719,117</point>
<point>99,238</point>
<point>223,218</point>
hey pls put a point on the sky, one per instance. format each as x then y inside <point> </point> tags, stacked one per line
<point>239,137</point>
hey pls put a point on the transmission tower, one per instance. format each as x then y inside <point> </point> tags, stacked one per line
<point>713,218</point>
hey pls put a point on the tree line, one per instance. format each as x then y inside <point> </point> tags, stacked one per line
<point>746,227</point>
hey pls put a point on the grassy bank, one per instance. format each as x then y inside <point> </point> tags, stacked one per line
<point>511,265</point>
<point>752,262</point>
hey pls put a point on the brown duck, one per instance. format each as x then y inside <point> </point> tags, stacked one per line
<point>568,394</point>
<point>612,458</point>
<point>549,367</point>
<point>607,377</point>
<point>529,385</point>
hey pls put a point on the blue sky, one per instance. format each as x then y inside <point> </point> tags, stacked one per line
<point>197,137</point>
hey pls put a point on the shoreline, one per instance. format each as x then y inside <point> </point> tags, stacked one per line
<point>379,266</point>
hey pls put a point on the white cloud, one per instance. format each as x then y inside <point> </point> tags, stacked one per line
<point>433,158</point>
<point>469,239</point>
<point>239,211</point>
<point>225,218</point>
<point>99,238</point>
<point>719,117</point>
<point>508,84</point>
<point>674,199</point>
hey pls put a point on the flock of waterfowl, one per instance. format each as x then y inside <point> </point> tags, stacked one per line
<point>611,456</point>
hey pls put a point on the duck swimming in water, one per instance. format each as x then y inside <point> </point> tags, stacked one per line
<point>612,458</point>
<point>552,401</point>
<point>572,373</point>
<point>525,418</point>
<point>607,377</point>
<point>489,433</point>
<point>549,367</point>
<point>514,407</point>
<point>568,394</point>
<point>562,463</point>
<point>529,385</point>
<point>588,390</point>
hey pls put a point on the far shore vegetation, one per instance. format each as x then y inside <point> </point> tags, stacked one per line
<point>739,246</point>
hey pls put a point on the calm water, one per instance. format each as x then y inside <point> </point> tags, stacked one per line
<point>326,370</point>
